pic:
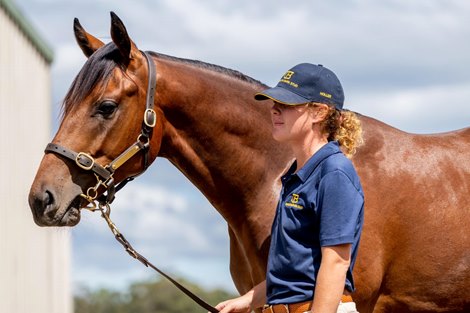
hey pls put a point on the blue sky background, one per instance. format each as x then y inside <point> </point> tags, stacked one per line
<point>406,63</point>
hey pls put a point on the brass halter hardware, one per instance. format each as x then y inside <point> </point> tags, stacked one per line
<point>90,159</point>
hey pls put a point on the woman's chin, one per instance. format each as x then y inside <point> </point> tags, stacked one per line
<point>279,137</point>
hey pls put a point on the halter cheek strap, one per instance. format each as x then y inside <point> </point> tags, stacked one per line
<point>150,117</point>
<point>104,174</point>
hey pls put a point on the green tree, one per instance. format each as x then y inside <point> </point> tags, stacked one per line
<point>153,296</point>
<point>99,301</point>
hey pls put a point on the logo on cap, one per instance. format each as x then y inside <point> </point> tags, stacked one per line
<point>288,75</point>
<point>324,94</point>
<point>286,79</point>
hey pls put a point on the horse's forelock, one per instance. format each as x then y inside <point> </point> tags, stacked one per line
<point>96,70</point>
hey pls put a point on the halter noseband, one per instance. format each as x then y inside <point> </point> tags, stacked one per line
<point>104,174</point>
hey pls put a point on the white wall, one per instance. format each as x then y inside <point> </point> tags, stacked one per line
<point>34,261</point>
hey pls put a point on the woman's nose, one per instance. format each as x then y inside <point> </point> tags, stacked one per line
<point>275,110</point>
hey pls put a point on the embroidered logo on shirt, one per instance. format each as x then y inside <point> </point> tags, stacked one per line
<point>294,202</point>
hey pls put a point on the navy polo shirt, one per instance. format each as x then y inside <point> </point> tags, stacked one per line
<point>320,205</point>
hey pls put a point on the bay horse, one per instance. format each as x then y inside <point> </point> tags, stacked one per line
<point>415,249</point>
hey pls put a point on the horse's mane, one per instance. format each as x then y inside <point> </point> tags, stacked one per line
<point>212,67</point>
<point>100,64</point>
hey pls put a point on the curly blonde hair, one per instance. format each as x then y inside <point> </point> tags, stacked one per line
<point>343,126</point>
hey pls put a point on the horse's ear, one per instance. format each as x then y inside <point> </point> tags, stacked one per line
<point>87,42</point>
<point>121,39</point>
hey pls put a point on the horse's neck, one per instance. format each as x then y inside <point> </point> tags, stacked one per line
<point>219,137</point>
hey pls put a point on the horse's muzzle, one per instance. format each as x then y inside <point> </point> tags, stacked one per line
<point>48,210</point>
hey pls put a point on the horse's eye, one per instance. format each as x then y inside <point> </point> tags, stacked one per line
<point>106,108</point>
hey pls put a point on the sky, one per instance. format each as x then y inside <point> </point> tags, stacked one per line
<point>406,63</point>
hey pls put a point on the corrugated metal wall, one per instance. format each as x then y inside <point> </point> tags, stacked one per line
<point>34,261</point>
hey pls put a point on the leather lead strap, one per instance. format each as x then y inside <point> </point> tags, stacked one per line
<point>133,253</point>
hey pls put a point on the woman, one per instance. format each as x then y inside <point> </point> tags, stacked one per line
<point>319,217</point>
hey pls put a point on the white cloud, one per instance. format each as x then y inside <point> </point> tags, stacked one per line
<point>421,109</point>
<point>69,58</point>
<point>163,226</point>
<point>146,197</point>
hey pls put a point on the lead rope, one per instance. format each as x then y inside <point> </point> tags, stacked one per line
<point>105,210</point>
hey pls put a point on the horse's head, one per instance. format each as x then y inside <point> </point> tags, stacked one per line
<point>109,130</point>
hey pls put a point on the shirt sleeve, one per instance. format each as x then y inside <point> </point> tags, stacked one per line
<point>340,206</point>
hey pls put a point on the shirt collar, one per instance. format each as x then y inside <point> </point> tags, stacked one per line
<point>328,149</point>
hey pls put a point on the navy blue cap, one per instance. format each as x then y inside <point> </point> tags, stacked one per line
<point>305,83</point>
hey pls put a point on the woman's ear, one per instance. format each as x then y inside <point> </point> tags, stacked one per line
<point>320,112</point>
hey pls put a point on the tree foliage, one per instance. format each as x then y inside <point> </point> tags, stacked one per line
<point>157,296</point>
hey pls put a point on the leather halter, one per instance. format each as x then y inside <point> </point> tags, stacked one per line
<point>104,174</point>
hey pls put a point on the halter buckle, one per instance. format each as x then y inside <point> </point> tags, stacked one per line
<point>150,118</point>
<point>88,159</point>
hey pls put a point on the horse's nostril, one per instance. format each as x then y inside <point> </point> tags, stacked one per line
<point>43,205</point>
<point>48,199</point>
<point>42,202</point>
<point>47,205</point>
